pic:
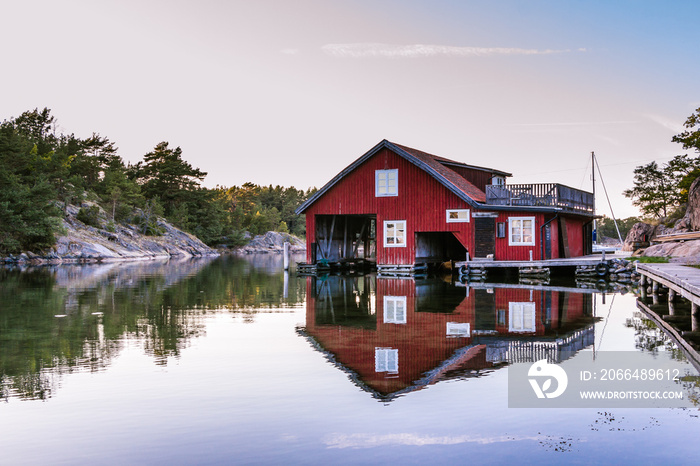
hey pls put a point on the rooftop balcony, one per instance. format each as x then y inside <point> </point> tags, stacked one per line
<point>540,195</point>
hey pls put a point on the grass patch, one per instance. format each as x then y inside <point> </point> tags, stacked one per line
<point>649,260</point>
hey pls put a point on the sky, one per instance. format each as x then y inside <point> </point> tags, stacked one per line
<point>289,92</point>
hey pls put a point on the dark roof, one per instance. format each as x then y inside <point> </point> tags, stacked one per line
<point>446,161</point>
<point>453,177</point>
<point>432,164</point>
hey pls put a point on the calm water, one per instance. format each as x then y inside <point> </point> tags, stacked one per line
<point>227,361</point>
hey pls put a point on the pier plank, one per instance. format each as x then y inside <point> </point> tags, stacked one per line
<point>592,259</point>
<point>682,279</point>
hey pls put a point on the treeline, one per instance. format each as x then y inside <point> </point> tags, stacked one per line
<point>42,172</point>
<point>606,226</point>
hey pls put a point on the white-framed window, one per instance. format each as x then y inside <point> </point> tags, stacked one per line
<point>386,183</point>
<point>394,309</point>
<point>458,329</point>
<point>386,360</point>
<point>521,317</point>
<point>521,231</point>
<point>394,233</point>
<point>457,215</point>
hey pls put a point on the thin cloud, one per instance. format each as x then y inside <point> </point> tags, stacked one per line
<point>371,441</point>
<point>675,126</point>
<point>579,123</point>
<point>425,51</point>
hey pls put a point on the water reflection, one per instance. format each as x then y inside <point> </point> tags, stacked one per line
<point>394,336</point>
<point>56,320</point>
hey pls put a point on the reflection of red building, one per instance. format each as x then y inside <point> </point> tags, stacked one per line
<point>398,335</point>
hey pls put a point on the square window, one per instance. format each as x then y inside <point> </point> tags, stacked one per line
<point>458,329</point>
<point>457,215</point>
<point>395,233</point>
<point>522,231</point>
<point>386,360</point>
<point>394,309</point>
<point>522,317</point>
<point>386,183</point>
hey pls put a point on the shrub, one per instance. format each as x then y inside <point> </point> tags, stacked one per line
<point>650,259</point>
<point>89,215</point>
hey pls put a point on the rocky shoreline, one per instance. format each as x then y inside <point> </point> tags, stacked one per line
<point>642,238</point>
<point>86,244</point>
<point>272,242</point>
<point>81,244</point>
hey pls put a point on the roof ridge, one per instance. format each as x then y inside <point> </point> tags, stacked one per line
<point>449,178</point>
<point>445,160</point>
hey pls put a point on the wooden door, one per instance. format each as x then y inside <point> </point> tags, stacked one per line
<point>547,242</point>
<point>484,236</point>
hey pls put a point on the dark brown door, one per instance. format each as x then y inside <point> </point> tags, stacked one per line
<point>484,236</point>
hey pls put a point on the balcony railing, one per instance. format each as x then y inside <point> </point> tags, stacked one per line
<point>543,195</point>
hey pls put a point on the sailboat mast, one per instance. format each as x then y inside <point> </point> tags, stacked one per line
<point>595,223</point>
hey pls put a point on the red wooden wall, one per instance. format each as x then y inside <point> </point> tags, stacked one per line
<point>422,202</point>
<point>574,230</point>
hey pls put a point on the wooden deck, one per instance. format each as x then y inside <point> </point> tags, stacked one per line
<point>521,286</point>
<point>682,327</point>
<point>677,337</point>
<point>592,259</point>
<point>691,235</point>
<point>682,279</point>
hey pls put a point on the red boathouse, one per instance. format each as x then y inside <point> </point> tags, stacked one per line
<point>400,206</point>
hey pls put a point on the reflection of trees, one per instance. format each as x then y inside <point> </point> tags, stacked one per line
<point>647,336</point>
<point>58,320</point>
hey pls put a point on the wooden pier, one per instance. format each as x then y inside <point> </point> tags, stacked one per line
<point>595,265</point>
<point>337,266</point>
<point>592,259</point>
<point>673,281</point>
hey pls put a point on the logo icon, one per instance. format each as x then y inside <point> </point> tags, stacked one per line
<point>547,372</point>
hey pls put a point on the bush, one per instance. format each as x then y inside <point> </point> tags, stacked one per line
<point>650,259</point>
<point>147,218</point>
<point>89,215</point>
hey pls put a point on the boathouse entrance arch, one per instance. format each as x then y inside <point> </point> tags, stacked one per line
<point>434,247</point>
<point>342,238</point>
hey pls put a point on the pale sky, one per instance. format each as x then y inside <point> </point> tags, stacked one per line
<point>291,92</point>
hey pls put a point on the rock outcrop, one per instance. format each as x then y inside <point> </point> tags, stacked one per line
<point>683,251</point>
<point>638,237</point>
<point>272,242</point>
<point>692,214</point>
<point>688,250</point>
<point>114,242</point>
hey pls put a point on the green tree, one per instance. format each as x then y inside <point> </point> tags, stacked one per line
<point>119,192</point>
<point>606,226</point>
<point>690,138</point>
<point>653,193</point>
<point>94,156</point>
<point>657,190</point>
<point>29,218</point>
<point>147,217</point>
<point>165,174</point>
